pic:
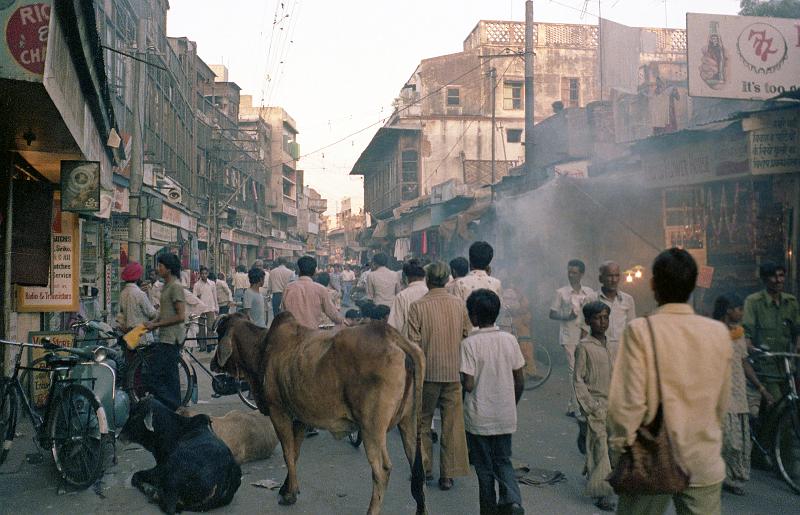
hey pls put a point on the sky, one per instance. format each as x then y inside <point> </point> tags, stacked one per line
<point>337,66</point>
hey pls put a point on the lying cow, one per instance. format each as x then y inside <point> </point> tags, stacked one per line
<point>366,377</point>
<point>194,469</point>
<point>250,436</point>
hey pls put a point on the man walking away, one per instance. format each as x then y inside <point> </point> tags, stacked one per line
<point>382,283</point>
<point>279,278</point>
<point>623,309</point>
<point>307,300</point>
<point>566,308</point>
<point>694,369</point>
<point>416,289</point>
<point>348,281</point>
<point>206,290</point>
<point>240,283</point>
<point>480,257</point>
<point>491,368</point>
<point>437,323</point>
<point>459,267</point>
<point>224,295</point>
<point>253,303</point>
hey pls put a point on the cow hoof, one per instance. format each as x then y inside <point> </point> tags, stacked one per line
<point>287,499</point>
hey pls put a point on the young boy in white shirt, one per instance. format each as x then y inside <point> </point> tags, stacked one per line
<point>492,374</point>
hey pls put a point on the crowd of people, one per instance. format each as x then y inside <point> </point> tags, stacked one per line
<point>623,370</point>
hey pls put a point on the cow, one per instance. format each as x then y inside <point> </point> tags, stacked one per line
<point>194,469</point>
<point>250,436</point>
<point>367,377</point>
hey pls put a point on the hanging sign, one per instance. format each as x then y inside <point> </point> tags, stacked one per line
<point>80,186</point>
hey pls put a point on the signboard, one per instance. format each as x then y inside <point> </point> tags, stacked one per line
<point>80,186</point>
<point>705,276</point>
<point>39,385</point>
<point>61,294</point>
<point>161,232</point>
<point>178,218</point>
<point>26,30</point>
<point>744,57</point>
<point>774,144</point>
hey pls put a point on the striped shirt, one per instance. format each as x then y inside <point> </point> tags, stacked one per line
<point>438,322</point>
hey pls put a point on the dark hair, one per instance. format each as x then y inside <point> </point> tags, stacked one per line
<point>212,276</point>
<point>380,259</point>
<point>241,268</point>
<point>413,268</point>
<point>483,306</point>
<point>725,302</point>
<point>577,263</point>
<point>379,312</point>
<point>307,265</point>
<point>255,275</point>
<point>769,269</point>
<point>323,278</point>
<point>171,262</point>
<point>480,255</point>
<point>366,307</point>
<point>352,314</point>
<point>202,268</point>
<point>674,275</point>
<point>592,308</point>
<point>459,267</point>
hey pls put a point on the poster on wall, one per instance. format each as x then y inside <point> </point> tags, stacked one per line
<point>61,293</point>
<point>25,26</point>
<point>39,385</point>
<point>744,57</point>
<point>80,186</point>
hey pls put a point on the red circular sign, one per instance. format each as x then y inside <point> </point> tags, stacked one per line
<point>26,35</point>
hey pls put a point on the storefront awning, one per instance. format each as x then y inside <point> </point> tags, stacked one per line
<point>459,224</point>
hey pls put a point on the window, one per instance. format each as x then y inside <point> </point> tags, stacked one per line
<point>512,95</point>
<point>453,96</point>
<point>409,166</point>
<point>514,135</point>
<point>571,92</point>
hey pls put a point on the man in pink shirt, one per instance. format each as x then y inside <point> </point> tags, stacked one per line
<point>307,300</point>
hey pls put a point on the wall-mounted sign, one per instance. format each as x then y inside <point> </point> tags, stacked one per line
<point>774,142</point>
<point>40,381</point>
<point>744,57</point>
<point>161,232</point>
<point>178,218</point>
<point>80,186</point>
<point>26,27</point>
<point>61,294</point>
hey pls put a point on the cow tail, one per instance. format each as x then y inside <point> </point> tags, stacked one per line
<point>418,375</point>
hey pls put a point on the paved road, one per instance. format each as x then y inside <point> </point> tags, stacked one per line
<point>335,478</point>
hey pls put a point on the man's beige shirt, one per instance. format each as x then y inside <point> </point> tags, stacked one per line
<point>694,358</point>
<point>307,300</point>
<point>438,322</point>
<point>398,316</point>
<point>477,280</point>
<point>278,279</point>
<point>382,286</point>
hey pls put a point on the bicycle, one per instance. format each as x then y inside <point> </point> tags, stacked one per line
<point>779,426</point>
<point>542,365</point>
<point>73,423</point>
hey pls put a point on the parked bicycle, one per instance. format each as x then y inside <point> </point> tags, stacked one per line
<point>83,411</point>
<point>777,433</point>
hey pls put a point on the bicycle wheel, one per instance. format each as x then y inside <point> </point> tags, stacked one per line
<point>77,427</point>
<point>40,377</point>
<point>188,379</point>
<point>787,447</point>
<point>542,370</point>
<point>355,438</point>
<point>243,390</point>
<point>8,416</point>
<point>137,387</point>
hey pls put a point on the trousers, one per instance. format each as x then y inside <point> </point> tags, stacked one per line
<point>160,374</point>
<point>491,456</point>
<point>695,500</point>
<point>452,442</point>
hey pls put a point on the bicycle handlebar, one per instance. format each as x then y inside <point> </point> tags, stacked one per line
<point>91,355</point>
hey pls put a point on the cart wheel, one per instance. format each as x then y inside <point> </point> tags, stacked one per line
<point>243,389</point>
<point>8,416</point>
<point>77,427</point>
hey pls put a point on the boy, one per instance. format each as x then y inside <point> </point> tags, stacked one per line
<point>253,302</point>
<point>593,364</point>
<point>491,370</point>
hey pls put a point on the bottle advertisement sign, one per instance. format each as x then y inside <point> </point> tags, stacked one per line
<point>742,57</point>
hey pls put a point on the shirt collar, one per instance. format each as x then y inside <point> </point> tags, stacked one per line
<point>602,295</point>
<point>305,278</point>
<point>486,330</point>
<point>768,299</point>
<point>595,341</point>
<point>480,273</point>
<point>675,309</point>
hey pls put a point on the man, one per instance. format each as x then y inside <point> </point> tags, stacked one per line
<point>437,323</point>
<point>772,322</point>
<point>154,291</point>
<point>161,375</point>
<point>694,356</point>
<point>134,306</point>
<point>206,290</point>
<point>307,300</point>
<point>278,279</point>
<point>416,289</point>
<point>224,295</point>
<point>566,308</point>
<point>382,283</point>
<point>459,267</point>
<point>623,309</point>
<point>259,263</point>
<point>240,283</point>
<point>480,257</point>
<point>336,279</point>
<point>253,303</point>
<point>348,280</point>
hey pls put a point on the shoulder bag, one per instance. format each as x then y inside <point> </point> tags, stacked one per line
<point>650,466</point>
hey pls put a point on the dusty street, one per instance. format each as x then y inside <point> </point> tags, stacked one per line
<point>335,478</point>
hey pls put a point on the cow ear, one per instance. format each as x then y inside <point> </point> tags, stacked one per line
<point>224,352</point>
<point>148,419</point>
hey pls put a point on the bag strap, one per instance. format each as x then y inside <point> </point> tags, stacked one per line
<point>655,359</point>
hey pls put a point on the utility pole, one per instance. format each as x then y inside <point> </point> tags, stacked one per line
<point>135,232</point>
<point>529,105</point>
<point>492,77</point>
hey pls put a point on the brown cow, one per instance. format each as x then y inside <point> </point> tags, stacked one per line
<point>367,377</point>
